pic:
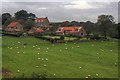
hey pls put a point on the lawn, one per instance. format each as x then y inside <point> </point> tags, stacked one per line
<point>28,55</point>
<point>65,38</point>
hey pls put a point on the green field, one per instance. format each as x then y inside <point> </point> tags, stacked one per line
<point>96,59</point>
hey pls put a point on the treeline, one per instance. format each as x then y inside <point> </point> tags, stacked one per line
<point>104,27</point>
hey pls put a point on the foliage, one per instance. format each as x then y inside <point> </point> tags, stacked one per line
<point>32,16</point>
<point>5,16</point>
<point>22,14</point>
<point>89,27</point>
<point>29,24</point>
<point>53,29</point>
<point>105,22</point>
<point>26,18</point>
<point>62,37</point>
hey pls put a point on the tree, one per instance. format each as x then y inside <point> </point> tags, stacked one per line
<point>31,16</point>
<point>21,15</point>
<point>81,23</point>
<point>105,22</point>
<point>118,30</point>
<point>29,24</point>
<point>5,16</point>
<point>65,23</point>
<point>30,21</point>
<point>89,27</point>
<point>74,23</point>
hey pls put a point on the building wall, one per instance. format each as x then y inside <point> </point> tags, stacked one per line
<point>17,28</point>
<point>42,23</point>
<point>31,32</point>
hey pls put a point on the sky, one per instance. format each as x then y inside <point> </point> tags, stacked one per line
<point>64,10</point>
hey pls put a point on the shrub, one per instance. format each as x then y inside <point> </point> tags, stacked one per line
<point>94,37</point>
<point>62,37</point>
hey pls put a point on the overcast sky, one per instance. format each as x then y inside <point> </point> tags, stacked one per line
<point>78,10</point>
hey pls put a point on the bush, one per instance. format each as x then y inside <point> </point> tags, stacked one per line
<point>52,34</point>
<point>40,34</point>
<point>95,37</point>
<point>62,37</point>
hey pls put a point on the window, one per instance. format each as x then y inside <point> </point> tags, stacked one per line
<point>59,30</point>
<point>82,34</point>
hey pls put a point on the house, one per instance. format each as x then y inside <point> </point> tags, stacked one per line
<point>42,23</point>
<point>34,31</point>
<point>14,26</point>
<point>71,30</point>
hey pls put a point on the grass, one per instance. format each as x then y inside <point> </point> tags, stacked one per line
<point>65,60</point>
<point>66,38</point>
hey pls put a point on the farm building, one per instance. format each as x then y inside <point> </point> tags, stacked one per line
<point>14,26</point>
<point>42,23</point>
<point>34,31</point>
<point>72,30</point>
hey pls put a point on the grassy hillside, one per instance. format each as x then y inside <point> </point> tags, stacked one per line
<point>64,60</point>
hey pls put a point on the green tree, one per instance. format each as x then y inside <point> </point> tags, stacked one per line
<point>5,17</point>
<point>118,30</point>
<point>21,15</point>
<point>25,18</point>
<point>89,27</point>
<point>105,22</point>
<point>74,23</point>
<point>29,24</point>
<point>31,16</point>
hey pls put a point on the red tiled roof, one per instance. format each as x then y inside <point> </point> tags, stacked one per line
<point>38,29</point>
<point>40,18</point>
<point>71,28</point>
<point>12,24</point>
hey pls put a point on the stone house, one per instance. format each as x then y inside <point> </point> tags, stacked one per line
<point>14,26</point>
<point>42,23</point>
